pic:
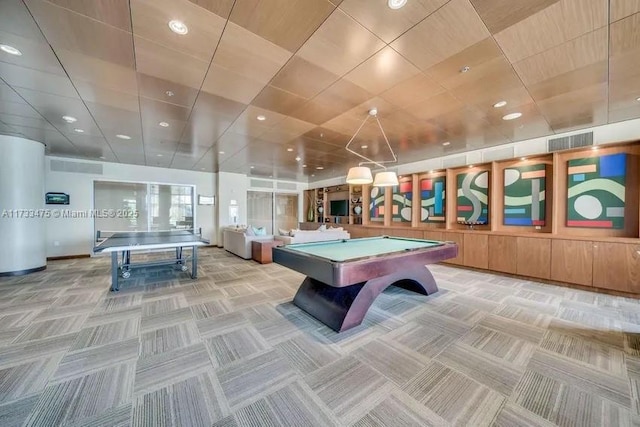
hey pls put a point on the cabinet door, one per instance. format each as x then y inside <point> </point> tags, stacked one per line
<point>616,266</point>
<point>572,261</point>
<point>476,250</point>
<point>459,239</point>
<point>534,257</point>
<point>502,254</point>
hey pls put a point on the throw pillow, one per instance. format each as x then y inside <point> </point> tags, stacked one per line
<point>260,231</point>
<point>293,232</point>
<point>283,232</point>
<point>323,227</point>
<point>336,228</point>
<point>250,231</point>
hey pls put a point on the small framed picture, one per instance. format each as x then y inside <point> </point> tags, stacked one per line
<point>206,200</point>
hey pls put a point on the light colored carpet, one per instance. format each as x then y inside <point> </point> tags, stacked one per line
<point>230,349</point>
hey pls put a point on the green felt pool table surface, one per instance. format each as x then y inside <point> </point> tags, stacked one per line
<point>352,249</point>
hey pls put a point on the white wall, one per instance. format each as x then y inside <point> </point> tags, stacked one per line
<point>74,236</point>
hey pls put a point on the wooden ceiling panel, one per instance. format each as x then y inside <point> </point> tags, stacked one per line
<point>575,54</point>
<point>382,71</point>
<point>65,29</point>
<point>231,143</point>
<point>449,72</point>
<point>112,12</point>
<point>16,19</point>
<point>385,22</point>
<point>316,112</point>
<point>553,26</point>
<point>163,110</point>
<point>35,55</point>
<point>435,106</point>
<point>86,68</point>
<point>248,124</point>
<point>227,84</point>
<point>99,95</point>
<point>303,78</point>
<point>412,90</point>
<point>327,47</point>
<point>501,14</point>
<point>287,130</point>
<point>219,7</point>
<point>287,23</point>
<point>158,61</point>
<point>623,8</point>
<point>584,107</point>
<point>569,82</point>
<point>249,55</point>
<point>204,132</point>
<point>452,29</point>
<point>18,109</point>
<point>625,35</point>
<point>31,122</point>
<point>280,101</point>
<point>21,77</point>
<point>490,80</point>
<point>151,18</point>
<point>166,91</point>
<point>114,121</point>
<point>343,96</point>
<point>213,105</point>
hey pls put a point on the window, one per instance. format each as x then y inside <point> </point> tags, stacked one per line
<point>272,210</point>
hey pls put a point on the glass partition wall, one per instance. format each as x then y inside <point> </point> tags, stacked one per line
<point>134,206</point>
<point>272,210</point>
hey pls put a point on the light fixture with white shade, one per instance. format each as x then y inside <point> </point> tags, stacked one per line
<point>362,174</point>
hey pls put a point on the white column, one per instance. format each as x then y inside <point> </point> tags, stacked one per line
<point>22,232</point>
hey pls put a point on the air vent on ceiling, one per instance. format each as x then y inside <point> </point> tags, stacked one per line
<point>76,167</point>
<point>259,183</point>
<point>452,162</point>
<point>499,154</point>
<point>287,186</point>
<point>567,142</point>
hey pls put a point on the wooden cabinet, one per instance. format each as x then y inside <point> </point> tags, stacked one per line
<point>616,266</point>
<point>476,250</point>
<point>458,238</point>
<point>572,261</point>
<point>502,254</point>
<point>533,257</point>
<point>433,235</point>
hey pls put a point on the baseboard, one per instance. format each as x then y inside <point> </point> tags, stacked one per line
<point>59,258</point>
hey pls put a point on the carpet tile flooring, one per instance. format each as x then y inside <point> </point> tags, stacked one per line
<point>230,349</point>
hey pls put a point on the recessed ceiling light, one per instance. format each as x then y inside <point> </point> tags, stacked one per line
<point>319,168</point>
<point>10,50</point>
<point>298,159</point>
<point>261,118</point>
<point>290,149</point>
<point>446,143</point>
<point>594,147</point>
<point>304,166</point>
<point>313,174</point>
<point>499,104</point>
<point>470,166</point>
<point>169,93</point>
<point>178,27</point>
<point>523,158</point>
<point>159,155</point>
<point>512,116</point>
<point>364,146</point>
<point>396,4</point>
<point>69,119</point>
<point>201,169</point>
<point>164,124</point>
<point>78,130</point>
<point>270,176</point>
<point>102,157</point>
<point>465,69</point>
<point>123,136</point>
<point>322,135</point>
<point>638,99</point>
<point>220,152</point>
<point>252,167</point>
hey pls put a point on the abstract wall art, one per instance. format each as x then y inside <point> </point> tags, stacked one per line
<point>432,199</point>
<point>473,197</point>
<point>376,205</point>
<point>402,201</point>
<point>596,191</point>
<point>524,195</point>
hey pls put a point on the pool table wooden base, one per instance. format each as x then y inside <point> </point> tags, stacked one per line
<point>343,308</point>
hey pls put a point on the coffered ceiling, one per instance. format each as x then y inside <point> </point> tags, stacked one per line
<point>143,94</point>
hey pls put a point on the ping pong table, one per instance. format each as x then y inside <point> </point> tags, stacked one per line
<point>125,242</point>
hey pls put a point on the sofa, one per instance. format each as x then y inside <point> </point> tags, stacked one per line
<point>308,236</point>
<point>238,243</point>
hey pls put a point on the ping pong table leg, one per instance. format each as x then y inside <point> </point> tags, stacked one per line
<point>114,270</point>
<point>194,262</point>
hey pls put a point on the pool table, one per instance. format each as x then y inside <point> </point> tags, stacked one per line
<point>344,277</point>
